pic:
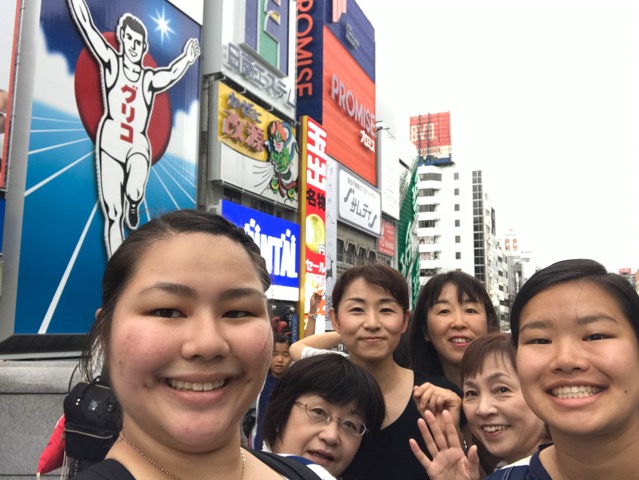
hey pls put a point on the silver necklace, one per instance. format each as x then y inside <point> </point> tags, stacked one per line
<point>160,467</point>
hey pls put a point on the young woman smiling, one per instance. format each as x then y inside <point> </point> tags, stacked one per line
<point>187,341</point>
<point>576,330</point>
<point>370,310</point>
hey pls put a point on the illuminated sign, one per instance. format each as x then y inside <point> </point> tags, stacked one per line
<point>356,109</point>
<point>359,204</point>
<point>313,209</point>
<point>386,243</point>
<point>251,43</point>
<point>267,31</point>
<point>53,287</point>
<point>277,240</point>
<point>259,135</point>
<point>336,80</point>
<point>431,135</point>
<point>258,76</point>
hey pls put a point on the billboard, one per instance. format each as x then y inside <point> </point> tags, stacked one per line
<point>8,40</point>
<point>252,42</point>
<point>277,240</point>
<point>390,173</point>
<point>358,204</point>
<point>313,210</point>
<point>112,142</point>
<point>253,148</point>
<point>430,133</point>
<point>336,80</point>
<point>386,243</point>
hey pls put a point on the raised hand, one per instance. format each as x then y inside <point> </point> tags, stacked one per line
<point>437,399</point>
<point>448,459</point>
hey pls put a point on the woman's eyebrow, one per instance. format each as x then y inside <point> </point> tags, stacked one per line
<point>235,293</point>
<point>172,288</point>
<point>588,319</point>
<point>538,324</point>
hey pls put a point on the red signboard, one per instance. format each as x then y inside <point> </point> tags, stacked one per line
<point>349,110</point>
<point>386,243</point>
<point>430,133</point>
<point>312,194</point>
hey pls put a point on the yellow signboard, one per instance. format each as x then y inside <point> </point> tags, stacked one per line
<point>244,126</point>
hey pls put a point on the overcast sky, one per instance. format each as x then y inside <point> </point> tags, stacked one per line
<point>544,99</point>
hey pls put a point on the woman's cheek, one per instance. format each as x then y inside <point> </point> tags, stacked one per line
<point>260,340</point>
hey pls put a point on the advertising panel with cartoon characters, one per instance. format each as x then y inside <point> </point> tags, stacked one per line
<point>113,143</point>
<point>264,157</point>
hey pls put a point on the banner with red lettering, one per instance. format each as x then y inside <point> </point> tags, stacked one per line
<point>312,188</point>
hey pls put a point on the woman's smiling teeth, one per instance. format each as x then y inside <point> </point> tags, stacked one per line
<point>195,386</point>
<point>494,428</point>
<point>581,391</point>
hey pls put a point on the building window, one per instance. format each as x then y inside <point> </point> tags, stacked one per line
<point>427,192</point>
<point>262,206</point>
<point>457,238</point>
<point>423,177</point>
<point>340,250</point>
<point>349,256</point>
<point>361,257</point>
<point>457,207</point>
<point>456,176</point>
<point>457,255</point>
<point>458,223</point>
<point>431,207</point>
<point>232,195</point>
<point>427,224</point>
<point>457,191</point>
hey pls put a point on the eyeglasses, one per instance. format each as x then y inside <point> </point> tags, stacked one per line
<point>319,415</point>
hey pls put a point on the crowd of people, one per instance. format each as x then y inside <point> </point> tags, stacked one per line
<point>439,393</point>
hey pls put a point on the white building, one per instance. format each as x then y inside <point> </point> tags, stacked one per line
<point>456,229</point>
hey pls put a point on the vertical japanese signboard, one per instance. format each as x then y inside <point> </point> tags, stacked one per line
<point>336,80</point>
<point>313,210</point>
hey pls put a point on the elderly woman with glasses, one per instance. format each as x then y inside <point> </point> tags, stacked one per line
<point>320,410</point>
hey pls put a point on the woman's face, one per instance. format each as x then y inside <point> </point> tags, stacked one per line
<point>578,362</point>
<point>327,445</point>
<point>497,412</point>
<point>370,321</point>
<point>190,343</point>
<point>453,325</point>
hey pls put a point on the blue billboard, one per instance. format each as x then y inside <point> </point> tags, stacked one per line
<point>277,240</point>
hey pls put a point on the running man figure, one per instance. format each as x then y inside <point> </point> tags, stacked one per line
<point>122,148</point>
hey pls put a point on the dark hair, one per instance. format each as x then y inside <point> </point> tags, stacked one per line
<point>334,378</point>
<point>497,344</point>
<point>423,356</point>
<point>124,262</point>
<point>577,269</point>
<point>277,338</point>
<point>386,277</point>
<point>134,23</point>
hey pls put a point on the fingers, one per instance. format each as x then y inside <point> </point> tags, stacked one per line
<point>419,455</point>
<point>473,463</point>
<point>436,438</point>
<point>435,399</point>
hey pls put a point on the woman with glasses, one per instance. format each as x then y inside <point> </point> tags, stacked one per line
<point>321,409</point>
<point>370,310</point>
